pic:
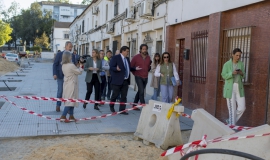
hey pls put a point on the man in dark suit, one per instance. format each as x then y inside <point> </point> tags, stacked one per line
<point>58,73</point>
<point>75,58</point>
<point>120,77</point>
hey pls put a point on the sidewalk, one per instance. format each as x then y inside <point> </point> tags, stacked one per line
<point>38,81</point>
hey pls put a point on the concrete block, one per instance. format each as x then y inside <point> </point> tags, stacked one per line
<point>206,124</point>
<point>154,127</point>
<point>258,146</point>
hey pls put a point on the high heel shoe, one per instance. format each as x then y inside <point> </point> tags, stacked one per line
<point>96,107</point>
<point>84,105</point>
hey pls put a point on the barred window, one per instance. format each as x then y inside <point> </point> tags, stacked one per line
<point>237,38</point>
<point>199,41</point>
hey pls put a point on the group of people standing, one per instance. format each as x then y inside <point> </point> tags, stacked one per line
<point>112,73</point>
<point>110,77</point>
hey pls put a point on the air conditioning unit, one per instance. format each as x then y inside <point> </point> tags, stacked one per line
<point>146,8</point>
<point>110,28</point>
<point>95,10</point>
<point>130,14</point>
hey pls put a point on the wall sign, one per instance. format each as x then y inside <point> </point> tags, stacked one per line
<point>157,107</point>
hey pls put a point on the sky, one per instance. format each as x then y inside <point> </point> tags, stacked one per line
<point>24,4</point>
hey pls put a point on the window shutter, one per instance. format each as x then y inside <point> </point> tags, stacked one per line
<point>115,7</point>
<point>114,47</point>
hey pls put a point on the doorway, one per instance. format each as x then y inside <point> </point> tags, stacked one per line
<point>181,65</point>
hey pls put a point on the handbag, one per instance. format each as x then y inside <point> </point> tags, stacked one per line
<point>173,81</point>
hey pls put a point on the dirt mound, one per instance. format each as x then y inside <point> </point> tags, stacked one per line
<point>7,66</point>
<point>118,147</point>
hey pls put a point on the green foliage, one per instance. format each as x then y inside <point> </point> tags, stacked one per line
<point>36,48</point>
<point>5,32</point>
<point>28,24</point>
<point>42,41</point>
<point>86,2</point>
<point>63,1</point>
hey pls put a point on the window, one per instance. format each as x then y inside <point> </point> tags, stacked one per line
<point>159,47</point>
<point>116,4</point>
<point>88,24</point>
<point>66,36</point>
<point>106,12</point>
<point>83,26</point>
<point>199,41</point>
<point>237,38</point>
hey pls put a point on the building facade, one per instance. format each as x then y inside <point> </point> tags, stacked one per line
<point>59,36</point>
<point>202,42</point>
<point>108,25</point>
<point>62,12</point>
<point>200,39</point>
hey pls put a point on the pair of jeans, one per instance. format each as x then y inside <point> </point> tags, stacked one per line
<point>141,83</point>
<point>166,93</point>
<point>66,109</point>
<point>102,86</point>
<point>109,88</point>
<point>60,83</point>
<point>94,82</point>
<point>156,93</point>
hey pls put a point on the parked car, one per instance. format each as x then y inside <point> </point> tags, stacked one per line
<point>12,57</point>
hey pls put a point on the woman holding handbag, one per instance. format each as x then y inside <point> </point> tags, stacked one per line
<point>169,77</point>
<point>155,80</point>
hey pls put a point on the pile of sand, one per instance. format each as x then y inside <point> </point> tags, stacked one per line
<point>97,148</point>
<point>81,147</point>
<point>7,66</point>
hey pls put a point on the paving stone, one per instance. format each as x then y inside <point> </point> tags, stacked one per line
<point>16,123</point>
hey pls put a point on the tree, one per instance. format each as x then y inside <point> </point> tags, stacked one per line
<point>86,2</point>
<point>62,1</point>
<point>10,16</point>
<point>42,41</point>
<point>5,32</point>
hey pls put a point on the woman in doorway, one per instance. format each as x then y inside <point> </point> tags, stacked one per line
<point>155,80</point>
<point>70,86</point>
<point>92,67</point>
<point>166,70</point>
<point>233,72</point>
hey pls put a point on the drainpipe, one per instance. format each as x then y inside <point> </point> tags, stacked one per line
<point>267,93</point>
<point>164,27</point>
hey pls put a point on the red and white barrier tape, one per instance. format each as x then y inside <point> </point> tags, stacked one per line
<point>239,127</point>
<point>186,115</point>
<point>72,100</point>
<point>199,143</point>
<point>81,119</point>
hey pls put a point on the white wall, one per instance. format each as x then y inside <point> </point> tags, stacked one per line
<point>192,9</point>
<point>59,38</point>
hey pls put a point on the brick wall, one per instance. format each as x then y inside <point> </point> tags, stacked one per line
<point>209,95</point>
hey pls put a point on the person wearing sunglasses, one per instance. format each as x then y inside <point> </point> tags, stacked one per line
<point>169,77</point>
